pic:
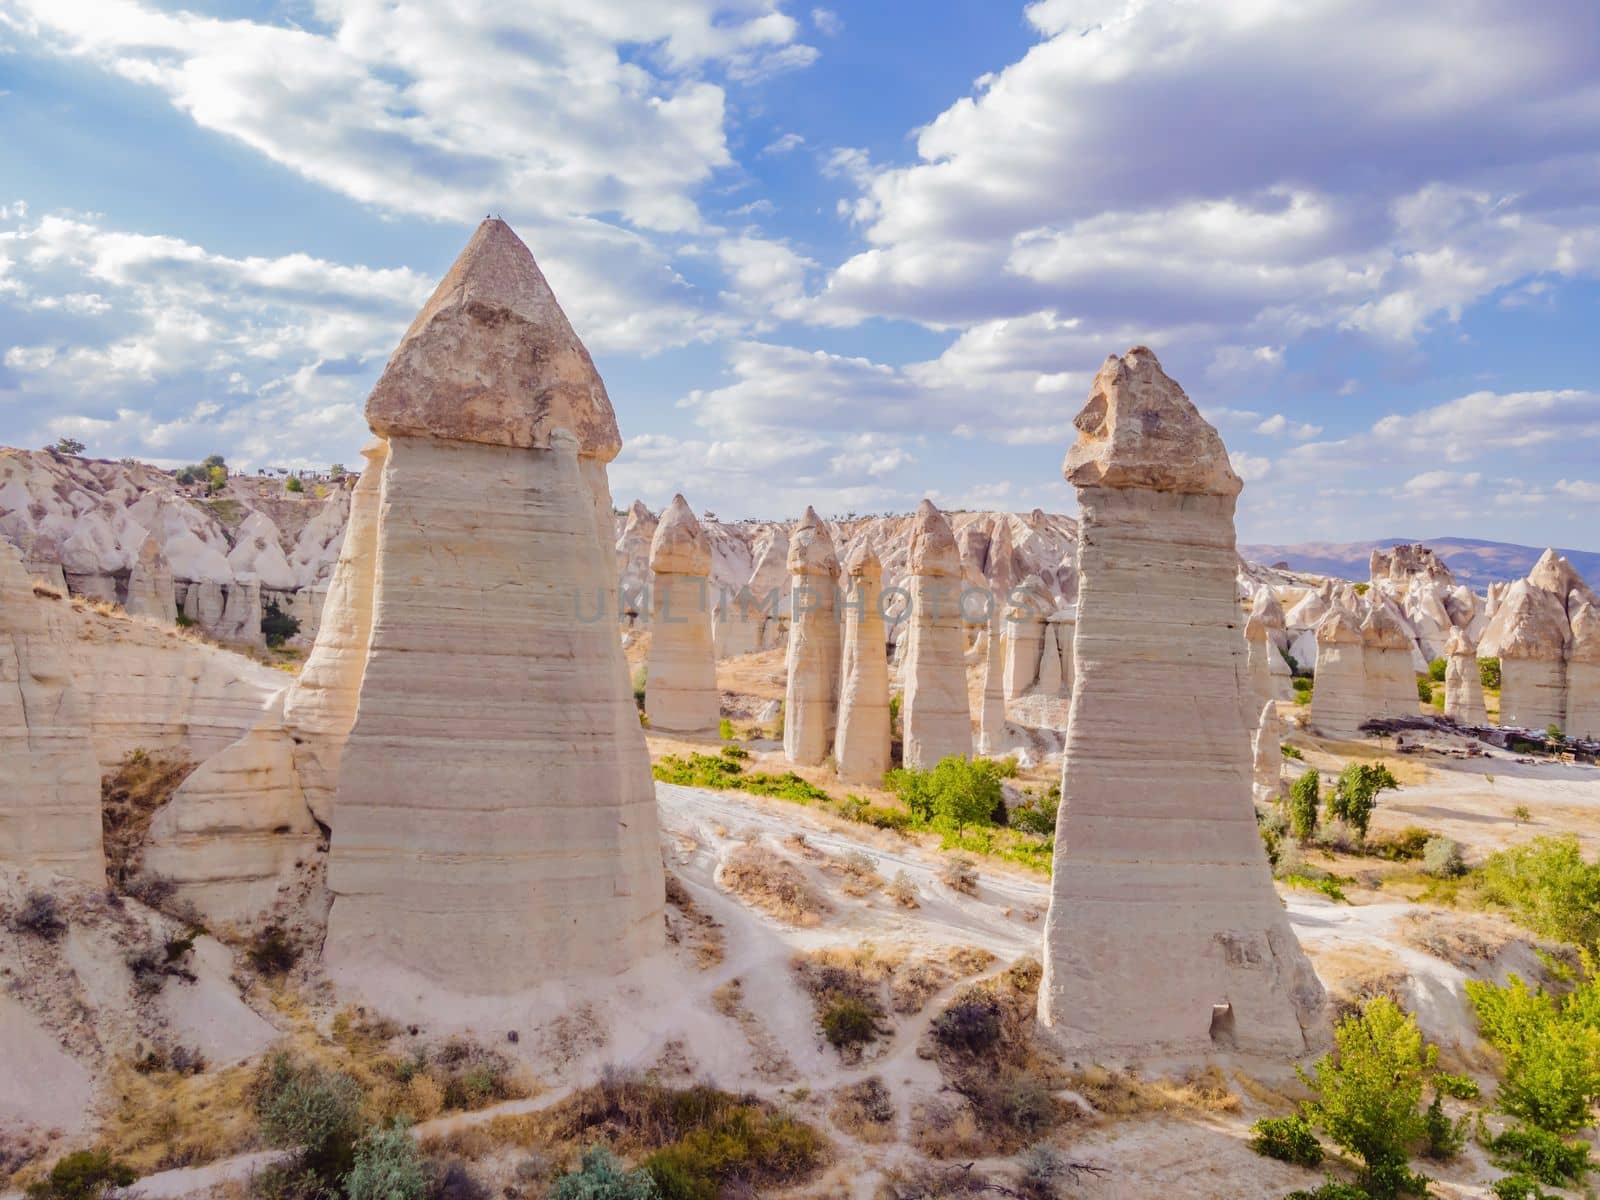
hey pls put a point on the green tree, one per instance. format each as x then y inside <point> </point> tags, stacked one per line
<point>1548,886</point>
<point>602,1177</point>
<point>1369,1094</point>
<point>1436,670</point>
<point>1304,796</point>
<point>68,445</point>
<point>387,1167</point>
<point>958,792</point>
<point>1489,673</point>
<point>294,485</point>
<point>313,1111</point>
<point>1551,1047</point>
<point>1356,794</point>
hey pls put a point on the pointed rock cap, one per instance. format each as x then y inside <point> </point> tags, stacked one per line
<point>1531,622</point>
<point>680,546</point>
<point>1555,574</point>
<point>1139,430</point>
<point>640,514</point>
<point>1382,630</point>
<point>1585,634</point>
<point>1460,644</point>
<point>1255,630</point>
<point>771,566</point>
<point>1339,628</point>
<point>1029,599</point>
<point>1267,608</point>
<point>1002,570</point>
<point>862,562</point>
<point>933,546</point>
<point>811,549</point>
<point>492,359</point>
<point>152,558</point>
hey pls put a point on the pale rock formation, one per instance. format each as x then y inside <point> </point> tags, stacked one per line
<point>1164,934</point>
<point>1064,622</point>
<point>992,715</point>
<point>495,827</point>
<point>1463,684</point>
<point>49,782</point>
<point>241,615</point>
<point>681,680</point>
<point>811,696</point>
<point>861,745</point>
<point>1050,676</point>
<point>1555,574</point>
<point>1339,694</point>
<point>203,604</point>
<point>1258,652</point>
<point>767,590</point>
<point>1387,660</point>
<point>1583,673</point>
<point>233,834</point>
<point>1024,636</point>
<point>321,705</point>
<point>257,554</point>
<point>150,587</point>
<point>935,718</point>
<point>1267,754</point>
<point>1529,634</point>
<point>633,557</point>
<point>1269,612</point>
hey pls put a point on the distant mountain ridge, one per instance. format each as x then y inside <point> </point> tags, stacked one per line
<point>1472,561</point>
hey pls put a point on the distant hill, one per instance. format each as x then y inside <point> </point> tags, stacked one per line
<point>1472,561</point>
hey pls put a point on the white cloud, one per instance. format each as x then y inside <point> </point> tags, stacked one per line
<point>1278,425</point>
<point>828,22</point>
<point>783,144</point>
<point>1250,467</point>
<point>1430,483</point>
<point>1578,489</point>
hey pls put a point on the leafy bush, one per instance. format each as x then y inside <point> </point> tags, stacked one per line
<point>1444,1136</point>
<point>1436,669</point>
<point>1304,797</point>
<point>1424,689</point>
<point>293,484</point>
<point>1369,1093</point>
<point>1331,1189</point>
<point>1356,794</point>
<point>743,1146</point>
<point>40,915</point>
<point>724,771</point>
<point>1287,1139</point>
<point>1541,1155</point>
<point>1441,858</point>
<point>1289,751</point>
<point>1410,844</point>
<point>1489,673</point>
<point>971,1024</point>
<point>602,1177</point>
<point>388,1167</point>
<point>84,1175</point>
<point>849,1022</point>
<point>277,626</point>
<point>725,729</point>
<point>1038,817</point>
<point>1546,885</point>
<point>1303,687</point>
<point>1551,1048</point>
<point>312,1111</point>
<point>958,792</point>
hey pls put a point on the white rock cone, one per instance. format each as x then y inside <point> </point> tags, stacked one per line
<point>861,746</point>
<point>1529,635</point>
<point>1583,674</point>
<point>1463,683</point>
<point>811,698</point>
<point>1024,637</point>
<point>322,702</point>
<point>1387,652</point>
<point>681,676</point>
<point>1268,753</point>
<point>1258,654</point>
<point>49,780</point>
<point>495,828</point>
<point>1165,935</point>
<point>151,592</point>
<point>935,717</point>
<point>1339,693</point>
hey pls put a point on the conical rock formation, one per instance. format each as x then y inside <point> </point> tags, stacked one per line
<point>1463,683</point>
<point>1339,692</point>
<point>1529,635</point>
<point>681,675</point>
<point>151,591</point>
<point>1164,933</point>
<point>495,826</point>
<point>1583,673</point>
<point>861,746</point>
<point>935,718</point>
<point>811,697</point>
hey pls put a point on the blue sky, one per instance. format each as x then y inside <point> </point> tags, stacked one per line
<point>846,256</point>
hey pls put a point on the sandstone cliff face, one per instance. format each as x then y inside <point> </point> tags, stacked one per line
<point>495,826</point>
<point>1529,635</point>
<point>1339,697</point>
<point>1583,673</point>
<point>150,588</point>
<point>49,784</point>
<point>935,718</point>
<point>1157,855</point>
<point>1387,654</point>
<point>812,694</point>
<point>681,682</point>
<point>1266,748</point>
<point>1463,683</point>
<point>861,745</point>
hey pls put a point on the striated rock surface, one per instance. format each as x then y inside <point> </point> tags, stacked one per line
<point>49,782</point>
<point>681,681</point>
<point>1529,634</point>
<point>935,717</point>
<point>495,826</point>
<point>234,833</point>
<point>1025,618</point>
<point>1339,693</point>
<point>1387,653</point>
<point>812,693</point>
<point>1258,649</point>
<point>861,745</point>
<point>1463,683</point>
<point>1267,754</point>
<point>321,705</point>
<point>1583,673</point>
<point>1157,856</point>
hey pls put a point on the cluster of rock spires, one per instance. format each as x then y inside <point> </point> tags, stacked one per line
<point>1545,630</point>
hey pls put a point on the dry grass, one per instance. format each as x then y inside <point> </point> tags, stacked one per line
<point>129,796</point>
<point>864,1111</point>
<point>768,1058</point>
<point>775,885</point>
<point>959,874</point>
<point>164,1119</point>
<point>45,591</point>
<point>903,892</point>
<point>1354,975</point>
<point>858,871</point>
<point>688,926</point>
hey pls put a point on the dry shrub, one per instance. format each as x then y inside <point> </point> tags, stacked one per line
<point>934,1181</point>
<point>165,1119</point>
<point>129,797</point>
<point>864,1110</point>
<point>1125,1094</point>
<point>903,892</point>
<point>943,1128</point>
<point>688,926</point>
<point>859,871</point>
<point>773,884</point>
<point>1465,942</point>
<point>959,874</point>
<point>45,591</point>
